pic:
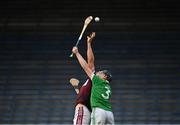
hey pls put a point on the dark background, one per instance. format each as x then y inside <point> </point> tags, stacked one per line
<point>138,41</point>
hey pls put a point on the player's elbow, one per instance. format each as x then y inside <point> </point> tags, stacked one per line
<point>91,61</point>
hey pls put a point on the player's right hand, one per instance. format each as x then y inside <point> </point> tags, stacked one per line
<point>75,50</point>
<point>91,37</point>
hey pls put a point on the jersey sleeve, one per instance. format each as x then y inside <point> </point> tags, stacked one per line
<point>96,80</point>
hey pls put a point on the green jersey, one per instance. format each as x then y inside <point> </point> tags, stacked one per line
<point>100,93</point>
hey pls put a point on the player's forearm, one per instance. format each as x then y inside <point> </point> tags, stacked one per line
<point>84,64</point>
<point>90,56</point>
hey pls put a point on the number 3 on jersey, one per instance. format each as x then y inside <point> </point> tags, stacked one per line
<point>108,92</point>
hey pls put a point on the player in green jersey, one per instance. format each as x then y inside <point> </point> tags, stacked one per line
<point>100,93</point>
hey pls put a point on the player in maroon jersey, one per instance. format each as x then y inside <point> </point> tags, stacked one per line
<point>82,114</point>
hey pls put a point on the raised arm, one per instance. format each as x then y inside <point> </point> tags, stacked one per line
<point>82,62</point>
<point>90,54</point>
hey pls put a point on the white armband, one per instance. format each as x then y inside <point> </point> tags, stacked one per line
<point>92,76</point>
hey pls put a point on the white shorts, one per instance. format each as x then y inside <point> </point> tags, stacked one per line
<point>100,117</point>
<point>82,115</point>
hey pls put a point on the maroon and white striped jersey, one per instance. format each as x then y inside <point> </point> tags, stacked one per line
<point>84,94</point>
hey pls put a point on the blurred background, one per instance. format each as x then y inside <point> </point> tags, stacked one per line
<point>137,40</point>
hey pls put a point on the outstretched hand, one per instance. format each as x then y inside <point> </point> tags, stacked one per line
<point>91,37</point>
